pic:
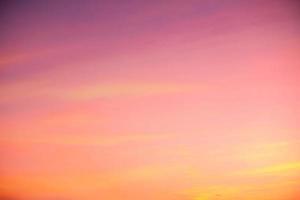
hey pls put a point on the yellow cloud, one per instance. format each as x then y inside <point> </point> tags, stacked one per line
<point>284,168</point>
<point>216,192</point>
<point>256,153</point>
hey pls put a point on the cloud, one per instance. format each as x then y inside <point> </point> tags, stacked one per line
<point>85,140</point>
<point>216,192</point>
<point>38,90</point>
<point>276,169</point>
<point>126,89</point>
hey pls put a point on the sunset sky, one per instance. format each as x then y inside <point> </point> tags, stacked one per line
<point>150,100</point>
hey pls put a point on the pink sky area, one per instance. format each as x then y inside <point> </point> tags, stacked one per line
<point>150,100</point>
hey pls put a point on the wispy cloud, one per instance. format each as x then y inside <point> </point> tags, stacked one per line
<point>63,139</point>
<point>97,90</point>
<point>276,169</point>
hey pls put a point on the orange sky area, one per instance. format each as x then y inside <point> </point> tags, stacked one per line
<point>150,100</point>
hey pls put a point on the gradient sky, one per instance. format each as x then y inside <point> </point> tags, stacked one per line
<point>150,100</point>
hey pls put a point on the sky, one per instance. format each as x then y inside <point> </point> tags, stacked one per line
<point>152,100</point>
